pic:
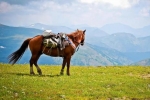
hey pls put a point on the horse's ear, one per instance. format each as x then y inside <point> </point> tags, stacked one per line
<point>84,31</point>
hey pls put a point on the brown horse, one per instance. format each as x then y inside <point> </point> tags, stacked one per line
<point>37,49</point>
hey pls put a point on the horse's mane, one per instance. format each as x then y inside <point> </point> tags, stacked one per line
<point>74,34</point>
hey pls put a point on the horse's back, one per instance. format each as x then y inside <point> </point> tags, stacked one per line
<point>36,43</point>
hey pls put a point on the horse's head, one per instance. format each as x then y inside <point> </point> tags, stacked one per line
<point>83,37</point>
<point>78,36</point>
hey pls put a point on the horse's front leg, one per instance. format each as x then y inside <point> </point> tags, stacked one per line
<point>63,66</point>
<point>68,66</point>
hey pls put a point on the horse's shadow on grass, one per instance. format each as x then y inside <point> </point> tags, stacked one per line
<point>35,75</point>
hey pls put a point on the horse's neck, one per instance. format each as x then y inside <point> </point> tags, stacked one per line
<point>73,40</point>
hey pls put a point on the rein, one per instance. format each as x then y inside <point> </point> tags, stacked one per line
<point>73,45</point>
<point>77,47</point>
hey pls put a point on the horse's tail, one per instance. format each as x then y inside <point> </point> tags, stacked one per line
<point>15,56</point>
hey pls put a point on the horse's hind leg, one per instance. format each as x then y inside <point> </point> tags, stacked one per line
<point>31,65</point>
<point>36,65</point>
<point>33,60</point>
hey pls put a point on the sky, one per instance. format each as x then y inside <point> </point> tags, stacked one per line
<point>95,13</point>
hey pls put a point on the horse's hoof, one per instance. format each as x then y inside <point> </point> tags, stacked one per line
<point>68,74</point>
<point>40,72</point>
<point>61,73</point>
<point>32,73</point>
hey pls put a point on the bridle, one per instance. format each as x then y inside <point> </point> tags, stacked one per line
<point>74,40</point>
<point>81,43</point>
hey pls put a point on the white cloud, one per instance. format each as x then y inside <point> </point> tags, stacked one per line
<point>4,7</point>
<point>90,12</point>
<point>8,8</point>
<point>2,47</point>
<point>114,3</point>
<point>145,11</point>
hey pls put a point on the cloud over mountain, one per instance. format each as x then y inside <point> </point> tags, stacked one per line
<point>134,13</point>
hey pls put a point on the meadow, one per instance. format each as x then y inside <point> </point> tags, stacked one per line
<point>85,83</point>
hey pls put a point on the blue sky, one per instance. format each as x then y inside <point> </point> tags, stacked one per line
<point>135,13</point>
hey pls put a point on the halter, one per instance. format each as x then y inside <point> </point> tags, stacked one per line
<point>73,41</point>
<point>77,48</point>
<point>73,45</point>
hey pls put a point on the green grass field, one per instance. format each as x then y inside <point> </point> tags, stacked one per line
<point>85,83</point>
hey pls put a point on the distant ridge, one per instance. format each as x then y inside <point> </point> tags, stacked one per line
<point>118,27</point>
<point>145,62</point>
<point>54,28</point>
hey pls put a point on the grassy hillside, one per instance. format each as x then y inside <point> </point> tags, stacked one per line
<point>85,83</point>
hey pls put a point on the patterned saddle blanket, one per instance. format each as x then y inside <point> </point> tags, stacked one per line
<point>53,40</point>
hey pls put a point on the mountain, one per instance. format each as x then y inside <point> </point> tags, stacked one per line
<point>145,62</point>
<point>92,33</point>
<point>106,29</point>
<point>6,31</point>
<point>118,28</point>
<point>95,56</point>
<point>137,56</point>
<point>126,42</point>
<point>55,29</point>
<point>112,55</point>
<point>12,37</point>
<point>78,26</point>
<point>87,55</point>
<point>122,37</point>
<point>145,31</point>
<point>100,48</point>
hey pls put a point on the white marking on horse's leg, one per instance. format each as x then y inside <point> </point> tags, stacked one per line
<point>31,70</point>
<point>38,69</point>
<point>31,67</point>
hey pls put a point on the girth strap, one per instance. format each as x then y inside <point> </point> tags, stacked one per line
<point>58,51</point>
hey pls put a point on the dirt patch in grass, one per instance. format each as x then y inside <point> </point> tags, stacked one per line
<point>146,76</point>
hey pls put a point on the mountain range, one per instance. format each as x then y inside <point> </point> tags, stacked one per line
<point>118,27</point>
<point>115,47</point>
<point>106,29</point>
<point>123,37</point>
<point>145,62</point>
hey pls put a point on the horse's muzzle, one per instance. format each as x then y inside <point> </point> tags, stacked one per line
<point>82,44</point>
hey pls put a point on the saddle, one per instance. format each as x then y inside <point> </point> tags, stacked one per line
<point>52,40</point>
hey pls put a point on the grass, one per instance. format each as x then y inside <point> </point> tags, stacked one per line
<point>85,83</point>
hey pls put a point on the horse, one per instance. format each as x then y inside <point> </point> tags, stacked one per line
<point>37,49</point>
